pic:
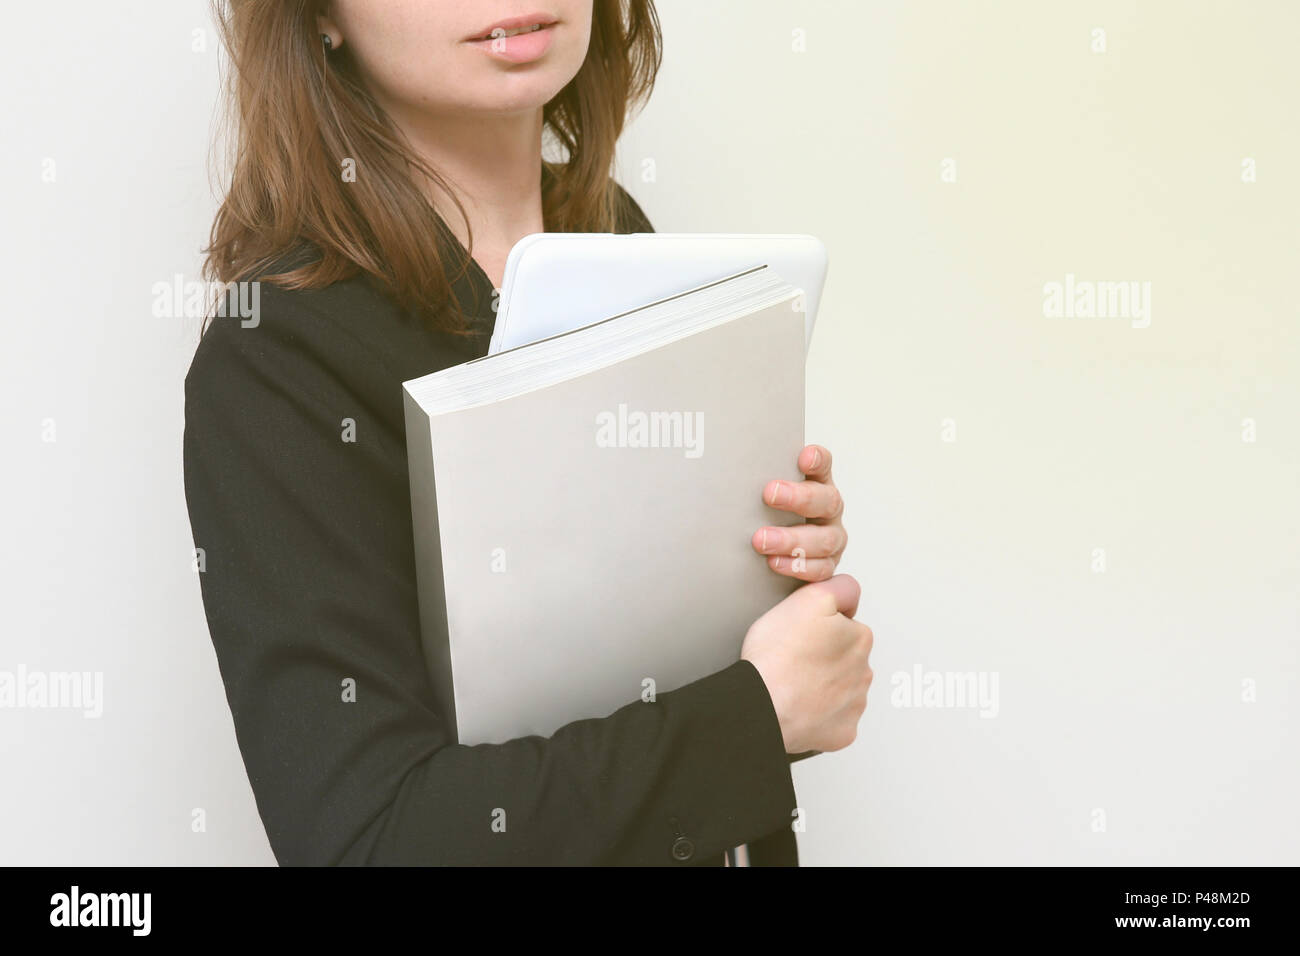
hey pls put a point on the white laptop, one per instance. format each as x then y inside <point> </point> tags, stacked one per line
<point>558,282</point>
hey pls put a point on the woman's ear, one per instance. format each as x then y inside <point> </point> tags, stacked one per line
<point>331,35</point>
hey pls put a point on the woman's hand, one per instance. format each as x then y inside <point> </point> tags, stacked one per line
<point>809,552</point>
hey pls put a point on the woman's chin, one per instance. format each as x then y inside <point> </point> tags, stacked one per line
<point>512,92</point>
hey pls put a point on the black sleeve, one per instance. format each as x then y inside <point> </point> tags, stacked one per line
<point>630,216</point>
<point>309,589</point>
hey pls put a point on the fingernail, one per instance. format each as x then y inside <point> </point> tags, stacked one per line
<point>780,494</point>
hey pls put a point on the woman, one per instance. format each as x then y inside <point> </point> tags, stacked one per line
<point>389,154</point>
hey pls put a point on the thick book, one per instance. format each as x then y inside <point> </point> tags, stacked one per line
<point>583,506</point>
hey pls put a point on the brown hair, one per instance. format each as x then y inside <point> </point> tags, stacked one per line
<point>299,112</point>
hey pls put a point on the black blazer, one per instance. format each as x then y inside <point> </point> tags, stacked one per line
<point>308,585</point>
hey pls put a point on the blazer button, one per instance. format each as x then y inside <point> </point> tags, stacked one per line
<point>683,849</point>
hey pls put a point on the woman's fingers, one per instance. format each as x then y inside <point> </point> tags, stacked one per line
<point>815,541</point>
<point>809,552</point>
<point>814,500</point>
<point>815,462</point>
<point>805,569</point>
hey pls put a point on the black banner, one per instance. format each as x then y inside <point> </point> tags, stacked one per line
<point>1161,906</point>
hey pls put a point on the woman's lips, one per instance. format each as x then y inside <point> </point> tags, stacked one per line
<point>517,41</point>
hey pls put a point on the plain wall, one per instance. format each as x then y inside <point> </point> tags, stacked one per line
<point>993,458</point>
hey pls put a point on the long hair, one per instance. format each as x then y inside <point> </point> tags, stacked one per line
<point>298,114</point>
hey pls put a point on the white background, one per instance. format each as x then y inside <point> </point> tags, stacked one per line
<point>1120,691</point>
